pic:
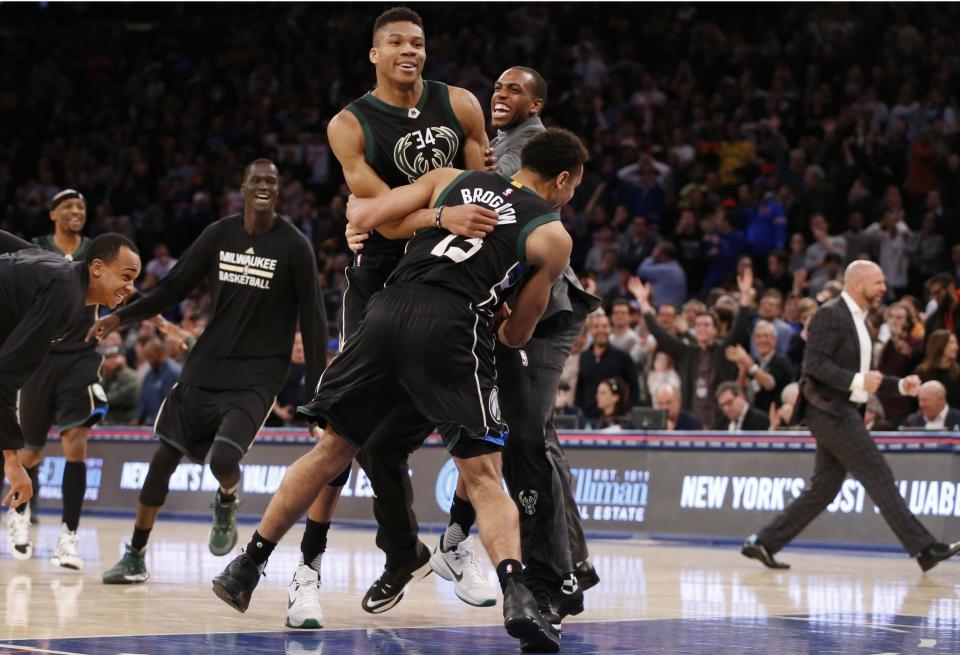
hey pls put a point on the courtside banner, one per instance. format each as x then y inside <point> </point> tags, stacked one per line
<point>656,484</point>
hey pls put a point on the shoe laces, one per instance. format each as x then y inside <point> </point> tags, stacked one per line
<point>19,526</point>
<point>68,543</point>
<point>312,598</point>
<point>466,556</point>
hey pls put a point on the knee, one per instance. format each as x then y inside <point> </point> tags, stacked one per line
<point>225,463</point>
<point>75,444</point>
<point>162,466</point>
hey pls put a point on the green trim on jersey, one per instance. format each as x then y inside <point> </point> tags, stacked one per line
<point>530,227</point>
<point>368,153</point>
<point>443,91</point>
<point>393,109</point>
<point>447,189</point>
<point>47,243</point>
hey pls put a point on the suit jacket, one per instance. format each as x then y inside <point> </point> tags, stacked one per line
<point>917,420</point>
<point>685,354</point>
<point>687,421</point>
<point>754,420</point>
<point>830,361</point>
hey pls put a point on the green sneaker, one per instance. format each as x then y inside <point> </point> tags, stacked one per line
<point>131,569</point>
<point>223,534</point>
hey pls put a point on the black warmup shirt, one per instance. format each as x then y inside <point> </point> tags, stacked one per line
<point>76,337</point>
<point>41,296</point>
<point>402,144</point>
<point>480,269</point>
<point>259,286</point>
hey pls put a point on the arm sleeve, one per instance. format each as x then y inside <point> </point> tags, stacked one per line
<point>665,341</point>
<point>630,374</point>
<point>11,243</point>
<point>740,332</point>
<point>818,357</point>
<point>181,280</point>
<point>313,319</point>
<point>24,349</point>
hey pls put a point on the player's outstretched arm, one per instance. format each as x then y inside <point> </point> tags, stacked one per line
<point>548,250</point>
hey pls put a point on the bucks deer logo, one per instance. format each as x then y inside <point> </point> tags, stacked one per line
<point>421,151</point>
<point>528,499</point>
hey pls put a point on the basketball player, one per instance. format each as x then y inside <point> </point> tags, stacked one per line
<point>43,296</point>
<point>424,340</point>
<point>262,274</point>
<point>65,389</point>
<point>388,138</point>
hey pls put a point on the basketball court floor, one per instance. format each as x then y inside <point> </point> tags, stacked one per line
<point>655,597</point>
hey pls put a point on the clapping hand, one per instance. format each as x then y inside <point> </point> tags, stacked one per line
<point>640,291</point>
<point>911,385</point>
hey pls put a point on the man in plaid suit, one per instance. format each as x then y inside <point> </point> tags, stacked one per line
<point>836,382</point>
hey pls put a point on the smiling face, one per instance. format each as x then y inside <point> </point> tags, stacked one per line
<point>69,216</point>
<point>112,283</point>
<point>399,51</point>
<point>261,186</point>
<point>513,99</point>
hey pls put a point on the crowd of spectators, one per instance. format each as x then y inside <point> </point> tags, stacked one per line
<point>791,139</point>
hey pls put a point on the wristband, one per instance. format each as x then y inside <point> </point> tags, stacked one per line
<point>437,217</point>
<point>753,370</point>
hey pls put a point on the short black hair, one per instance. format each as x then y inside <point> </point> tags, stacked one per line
<point>262,160</point>
<point>554,151</point>
<point>396,15</point>
<point>732,387</point>
<point>539,84</point>
<point>106,247</point>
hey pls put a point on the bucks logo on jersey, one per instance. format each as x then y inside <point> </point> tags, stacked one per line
<point>418,152</point>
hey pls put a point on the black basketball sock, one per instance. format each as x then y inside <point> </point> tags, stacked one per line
<point>260,549</point>
<point>226,496</point>
<point>314,543</point>
<point>462,517</point>
<point>140,537</point>
<point>74,487</point>
<point>507,569</point>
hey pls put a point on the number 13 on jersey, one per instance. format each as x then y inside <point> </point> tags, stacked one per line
<point>446,248</point>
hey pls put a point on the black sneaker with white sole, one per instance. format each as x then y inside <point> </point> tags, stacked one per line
<point>387,591</point>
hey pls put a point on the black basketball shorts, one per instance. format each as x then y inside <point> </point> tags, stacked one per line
<point>64,391</point>
<point>192,419</point>
<point>420,345</point>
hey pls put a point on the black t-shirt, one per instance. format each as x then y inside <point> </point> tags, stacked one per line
<point>76,338</point>
<point>42,295</point>
<point>402,144</point>
<point>260,284</point>
<point>480,269</point>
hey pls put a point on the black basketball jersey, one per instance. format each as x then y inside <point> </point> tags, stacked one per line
<point>76,338</point>
<point>402,144</point>
<point>480,269</point>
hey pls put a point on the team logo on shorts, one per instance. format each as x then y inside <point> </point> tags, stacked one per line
<point>421,151</point>
<point>493,404</point>
<point>528,499</point>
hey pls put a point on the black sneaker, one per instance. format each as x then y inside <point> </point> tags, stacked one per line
<point>586,575</point>
<point>236,583</point>
<point>541,593</point>
<point>523,621</point>
<point>387,591</point>
<point>936,553</point>
<point>570,600</point>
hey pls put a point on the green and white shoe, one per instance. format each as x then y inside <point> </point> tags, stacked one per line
<point>131,569</point>
<point>223,534</point>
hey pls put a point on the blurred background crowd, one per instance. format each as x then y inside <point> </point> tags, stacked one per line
<point>791,139</point>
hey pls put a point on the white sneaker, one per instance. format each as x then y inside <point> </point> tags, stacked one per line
<point>67,555</point>
<point>303,599</point>
<point>18,534</point>
<point>460,566</point>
